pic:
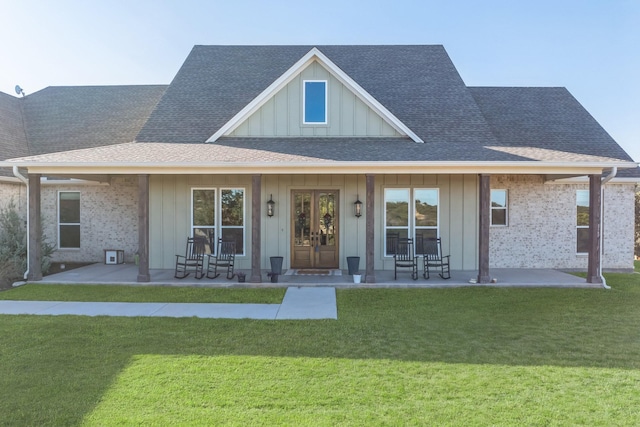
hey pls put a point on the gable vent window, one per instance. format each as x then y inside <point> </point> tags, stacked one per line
<point>314,103</point>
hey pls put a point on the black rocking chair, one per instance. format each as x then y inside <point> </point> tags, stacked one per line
<point>225,257</point>
<point>432,253</point>
<point>193,259</point>
<point>404,257</point>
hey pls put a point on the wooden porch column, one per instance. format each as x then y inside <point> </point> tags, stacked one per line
<point>256,212</point>
<point>370,275</point>
<point>595,207</point>
<point>143,229</point>
<point>35,229</point>
<point>484,219</point>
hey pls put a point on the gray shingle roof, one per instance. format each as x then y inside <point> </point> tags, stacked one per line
<point>68,118</point>
<point>418,84</point>
<point>545,118</point>
<point>13,141</point>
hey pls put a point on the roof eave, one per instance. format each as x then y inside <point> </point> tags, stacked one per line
<point>326,167</point>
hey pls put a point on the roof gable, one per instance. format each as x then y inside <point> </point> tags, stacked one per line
<point>416,84</point>
<point>314,61</point>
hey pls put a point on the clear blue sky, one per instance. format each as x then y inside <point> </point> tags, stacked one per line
<point>591,47</point>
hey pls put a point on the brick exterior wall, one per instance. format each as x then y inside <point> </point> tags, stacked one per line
<point>541,231</point>
<point>108,219</point>
<point>14,191</point>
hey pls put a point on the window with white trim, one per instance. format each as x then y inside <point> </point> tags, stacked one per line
<point>69,220</point>
<point>314,102</point>
<point>582,221</point>
<point>218,212</point>
<point>410,213</point>
<point>499,202</point>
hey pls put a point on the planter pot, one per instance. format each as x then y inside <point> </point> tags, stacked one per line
<point>274,277</point>
<point>241,279</point>
<point>276,264</point>
<point>353,263</point>
<point>357,278</point>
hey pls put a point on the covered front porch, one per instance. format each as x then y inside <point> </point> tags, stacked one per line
<point>125,274</point>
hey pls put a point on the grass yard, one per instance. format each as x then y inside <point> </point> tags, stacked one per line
<point>115,293</point>
<point>465,356</point>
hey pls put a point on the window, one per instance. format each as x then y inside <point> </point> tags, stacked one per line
<point>69,219</point>
<point>218,213</point>
<point>499,207</point>
<point>582,221</point>
<point>410,215</point>
<point>314,102</point>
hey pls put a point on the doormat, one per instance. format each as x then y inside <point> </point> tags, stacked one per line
<point>313,272</point>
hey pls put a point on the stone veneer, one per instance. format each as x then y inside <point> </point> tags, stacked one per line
<point>108,218</point>
<point>541,231</point>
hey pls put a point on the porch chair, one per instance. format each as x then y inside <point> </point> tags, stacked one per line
<point>224,257</point>
<point>404,257</point>
<point>432,253</point>
<point>193,259</point>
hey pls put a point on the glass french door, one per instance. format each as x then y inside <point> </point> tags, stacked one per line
<point>314,227</point>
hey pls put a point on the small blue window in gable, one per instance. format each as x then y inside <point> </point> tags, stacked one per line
<point>315,102</point>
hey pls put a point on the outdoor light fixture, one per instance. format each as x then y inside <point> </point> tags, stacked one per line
<point>270,206</point>
<point>358,207</point>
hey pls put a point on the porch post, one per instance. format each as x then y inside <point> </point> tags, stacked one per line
<point>595,201</point>
<point>256,212</point>
<point>483,226</point>
<point>143,229</point>
<point>35,229</point>
<point>370,276</point>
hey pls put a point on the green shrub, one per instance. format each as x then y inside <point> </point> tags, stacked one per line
<point>13,245</point>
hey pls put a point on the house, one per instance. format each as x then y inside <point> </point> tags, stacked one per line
<point>507,177</point>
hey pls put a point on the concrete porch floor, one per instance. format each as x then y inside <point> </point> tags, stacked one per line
<point>125,274</point>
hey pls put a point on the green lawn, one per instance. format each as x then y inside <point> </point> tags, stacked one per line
<point>464,356</point>
<point>115,293</point>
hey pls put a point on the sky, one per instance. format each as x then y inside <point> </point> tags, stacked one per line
<point>591,47</point>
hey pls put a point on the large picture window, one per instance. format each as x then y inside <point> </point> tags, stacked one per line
<point>69,220</point>
<point>218,213</point>
<point>410,213</point>
<point>314,102</point>
<point>582,221</point>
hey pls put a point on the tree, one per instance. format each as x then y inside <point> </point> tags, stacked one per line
<point>13,245</point>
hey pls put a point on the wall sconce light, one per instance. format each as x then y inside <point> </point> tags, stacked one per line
<point>270,205</point>
<point>358,207</point>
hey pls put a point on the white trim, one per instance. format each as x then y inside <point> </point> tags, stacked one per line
<point>326,102</point>
<point>313,55</point>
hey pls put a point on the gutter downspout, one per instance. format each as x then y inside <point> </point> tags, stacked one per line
<point>612,174</point>
<point>18,175</point>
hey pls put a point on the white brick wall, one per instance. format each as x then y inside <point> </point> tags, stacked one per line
<point>542,225</point>
<point>16,192</point>
<point>108,219</point>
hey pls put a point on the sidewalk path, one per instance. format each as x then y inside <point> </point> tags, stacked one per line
<point>298,304</point>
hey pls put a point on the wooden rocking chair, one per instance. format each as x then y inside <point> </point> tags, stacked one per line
<point>404,257</point>
<point>193,259</point>
<point>432,252</point>
<point>224,257</point>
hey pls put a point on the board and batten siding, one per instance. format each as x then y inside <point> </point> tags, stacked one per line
<point>170,199</point>
<point>458,215</point>
<point>347,115</point>
<point>170,214</point>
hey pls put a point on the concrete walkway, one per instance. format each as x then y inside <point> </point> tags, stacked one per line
<point>298,304</point>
